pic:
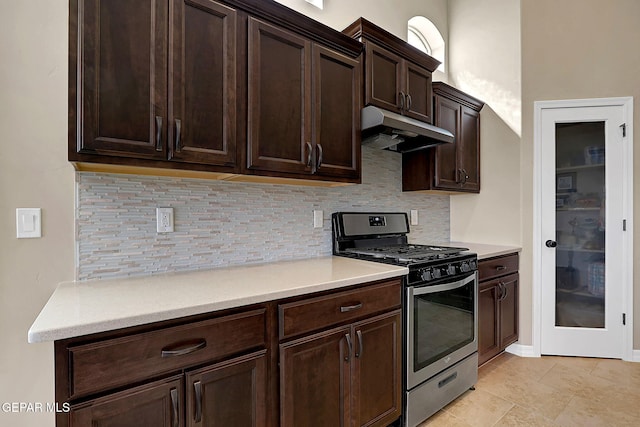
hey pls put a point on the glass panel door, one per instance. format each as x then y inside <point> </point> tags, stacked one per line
<point>580,224</point>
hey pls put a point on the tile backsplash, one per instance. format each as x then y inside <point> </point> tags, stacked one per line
<point>220,223</point>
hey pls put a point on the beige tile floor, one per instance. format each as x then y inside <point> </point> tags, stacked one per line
<point>548,391</point>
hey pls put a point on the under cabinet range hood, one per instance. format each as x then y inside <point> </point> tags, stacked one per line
<point>388,130</point>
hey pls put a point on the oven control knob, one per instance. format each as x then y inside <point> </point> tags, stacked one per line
<point>451,270</point>
<point>426,274</point>
<point>437,273</point>
<point>464,267</point>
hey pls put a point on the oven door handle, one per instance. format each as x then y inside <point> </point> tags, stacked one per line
<point>444,287</point>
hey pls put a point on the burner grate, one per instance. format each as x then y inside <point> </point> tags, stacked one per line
<point>407,253</point>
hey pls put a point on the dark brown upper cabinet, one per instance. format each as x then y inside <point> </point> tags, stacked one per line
<point>397,75</point>
<point>448,167</point>
<point>202,110</point>
<point>140,96</point>
<point>304,111</point>
<point>120,51</point>
<point>228,86</point>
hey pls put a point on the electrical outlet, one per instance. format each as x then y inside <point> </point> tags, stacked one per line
<point>164,220</point>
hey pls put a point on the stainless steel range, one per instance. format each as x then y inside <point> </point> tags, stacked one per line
<point>439,307</point>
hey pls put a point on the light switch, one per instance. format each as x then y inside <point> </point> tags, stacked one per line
<point>28,223</point>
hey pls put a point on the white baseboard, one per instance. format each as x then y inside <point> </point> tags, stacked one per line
<point>521,350</point>
<point>527,351</point>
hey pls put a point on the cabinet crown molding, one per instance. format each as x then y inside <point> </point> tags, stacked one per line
<point>363,29</point>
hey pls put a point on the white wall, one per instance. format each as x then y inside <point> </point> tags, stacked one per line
<point>577,49</point>
<point>484,53</point>
<point>34,172</point>
<point>388,14</point>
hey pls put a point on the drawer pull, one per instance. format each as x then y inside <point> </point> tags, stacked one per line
<point>447,380</point>
<point>158,133</point>
<point>183,348</point>
<point>347,357</point>
<point>501,267</point>
<point>174,407</point>
<point>360,344</point>
<point>197,387</point>
<point>347,308</point>
<point>178,133</point>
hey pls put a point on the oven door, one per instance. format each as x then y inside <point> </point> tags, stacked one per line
<point>442,326</point>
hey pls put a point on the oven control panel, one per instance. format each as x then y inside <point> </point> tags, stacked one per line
<point>443,269</point>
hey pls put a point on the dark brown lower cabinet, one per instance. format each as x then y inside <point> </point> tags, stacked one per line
<point>344,376</point>
<point>231,393</point>
<point>339,364</point>
<point>208,372</point>
<point>228,394</point>
<point>156,404</point>
<point>497,308</point>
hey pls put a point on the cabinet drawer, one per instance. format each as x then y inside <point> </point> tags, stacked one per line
<point>499,266</point>
<point>321,312</point>
<point>114,362</point>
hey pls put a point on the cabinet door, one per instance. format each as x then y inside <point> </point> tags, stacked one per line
<point>123,93</point>
<point>509,311</point>
<point>447,170</point>
<point>157,404</point>
<point>231,393</point>
<point>377,378</point>
<point>279,91</point>
<point>315,380</point>
<point>336,113</point>
<point>419,99</point>
<point>469,149</point>
<point>384,82</point>
<point>488,321</point>
<point>202,126</point>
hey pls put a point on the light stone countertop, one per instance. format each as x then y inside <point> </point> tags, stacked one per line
<point>81,308</point>
<point>484,250</point>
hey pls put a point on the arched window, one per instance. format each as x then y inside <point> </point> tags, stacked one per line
<point>423,35</point>
<point>416,39</point>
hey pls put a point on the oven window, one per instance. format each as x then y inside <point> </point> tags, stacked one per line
<point>443,323</point>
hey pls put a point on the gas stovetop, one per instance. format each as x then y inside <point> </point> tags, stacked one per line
<point>382,237</point>
<point>405,254</point>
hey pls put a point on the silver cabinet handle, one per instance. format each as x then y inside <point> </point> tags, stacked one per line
<point>465,175</point>
<point>197,388</point>
<point>402,99</point>
<point>158,133</point>
<point>174,407</point>
<point>360,345</point>
<point>409,102</point>
<point>505,292</point>
<point>309,150</point>
<point>178,133</point>
<point>349,347</point>
<point>347,308</point>
<point>320,152</point>
<point>501,267</point>
<point>182,349</point>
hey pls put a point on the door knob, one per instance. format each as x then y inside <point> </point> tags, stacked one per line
<point>551,243</point>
